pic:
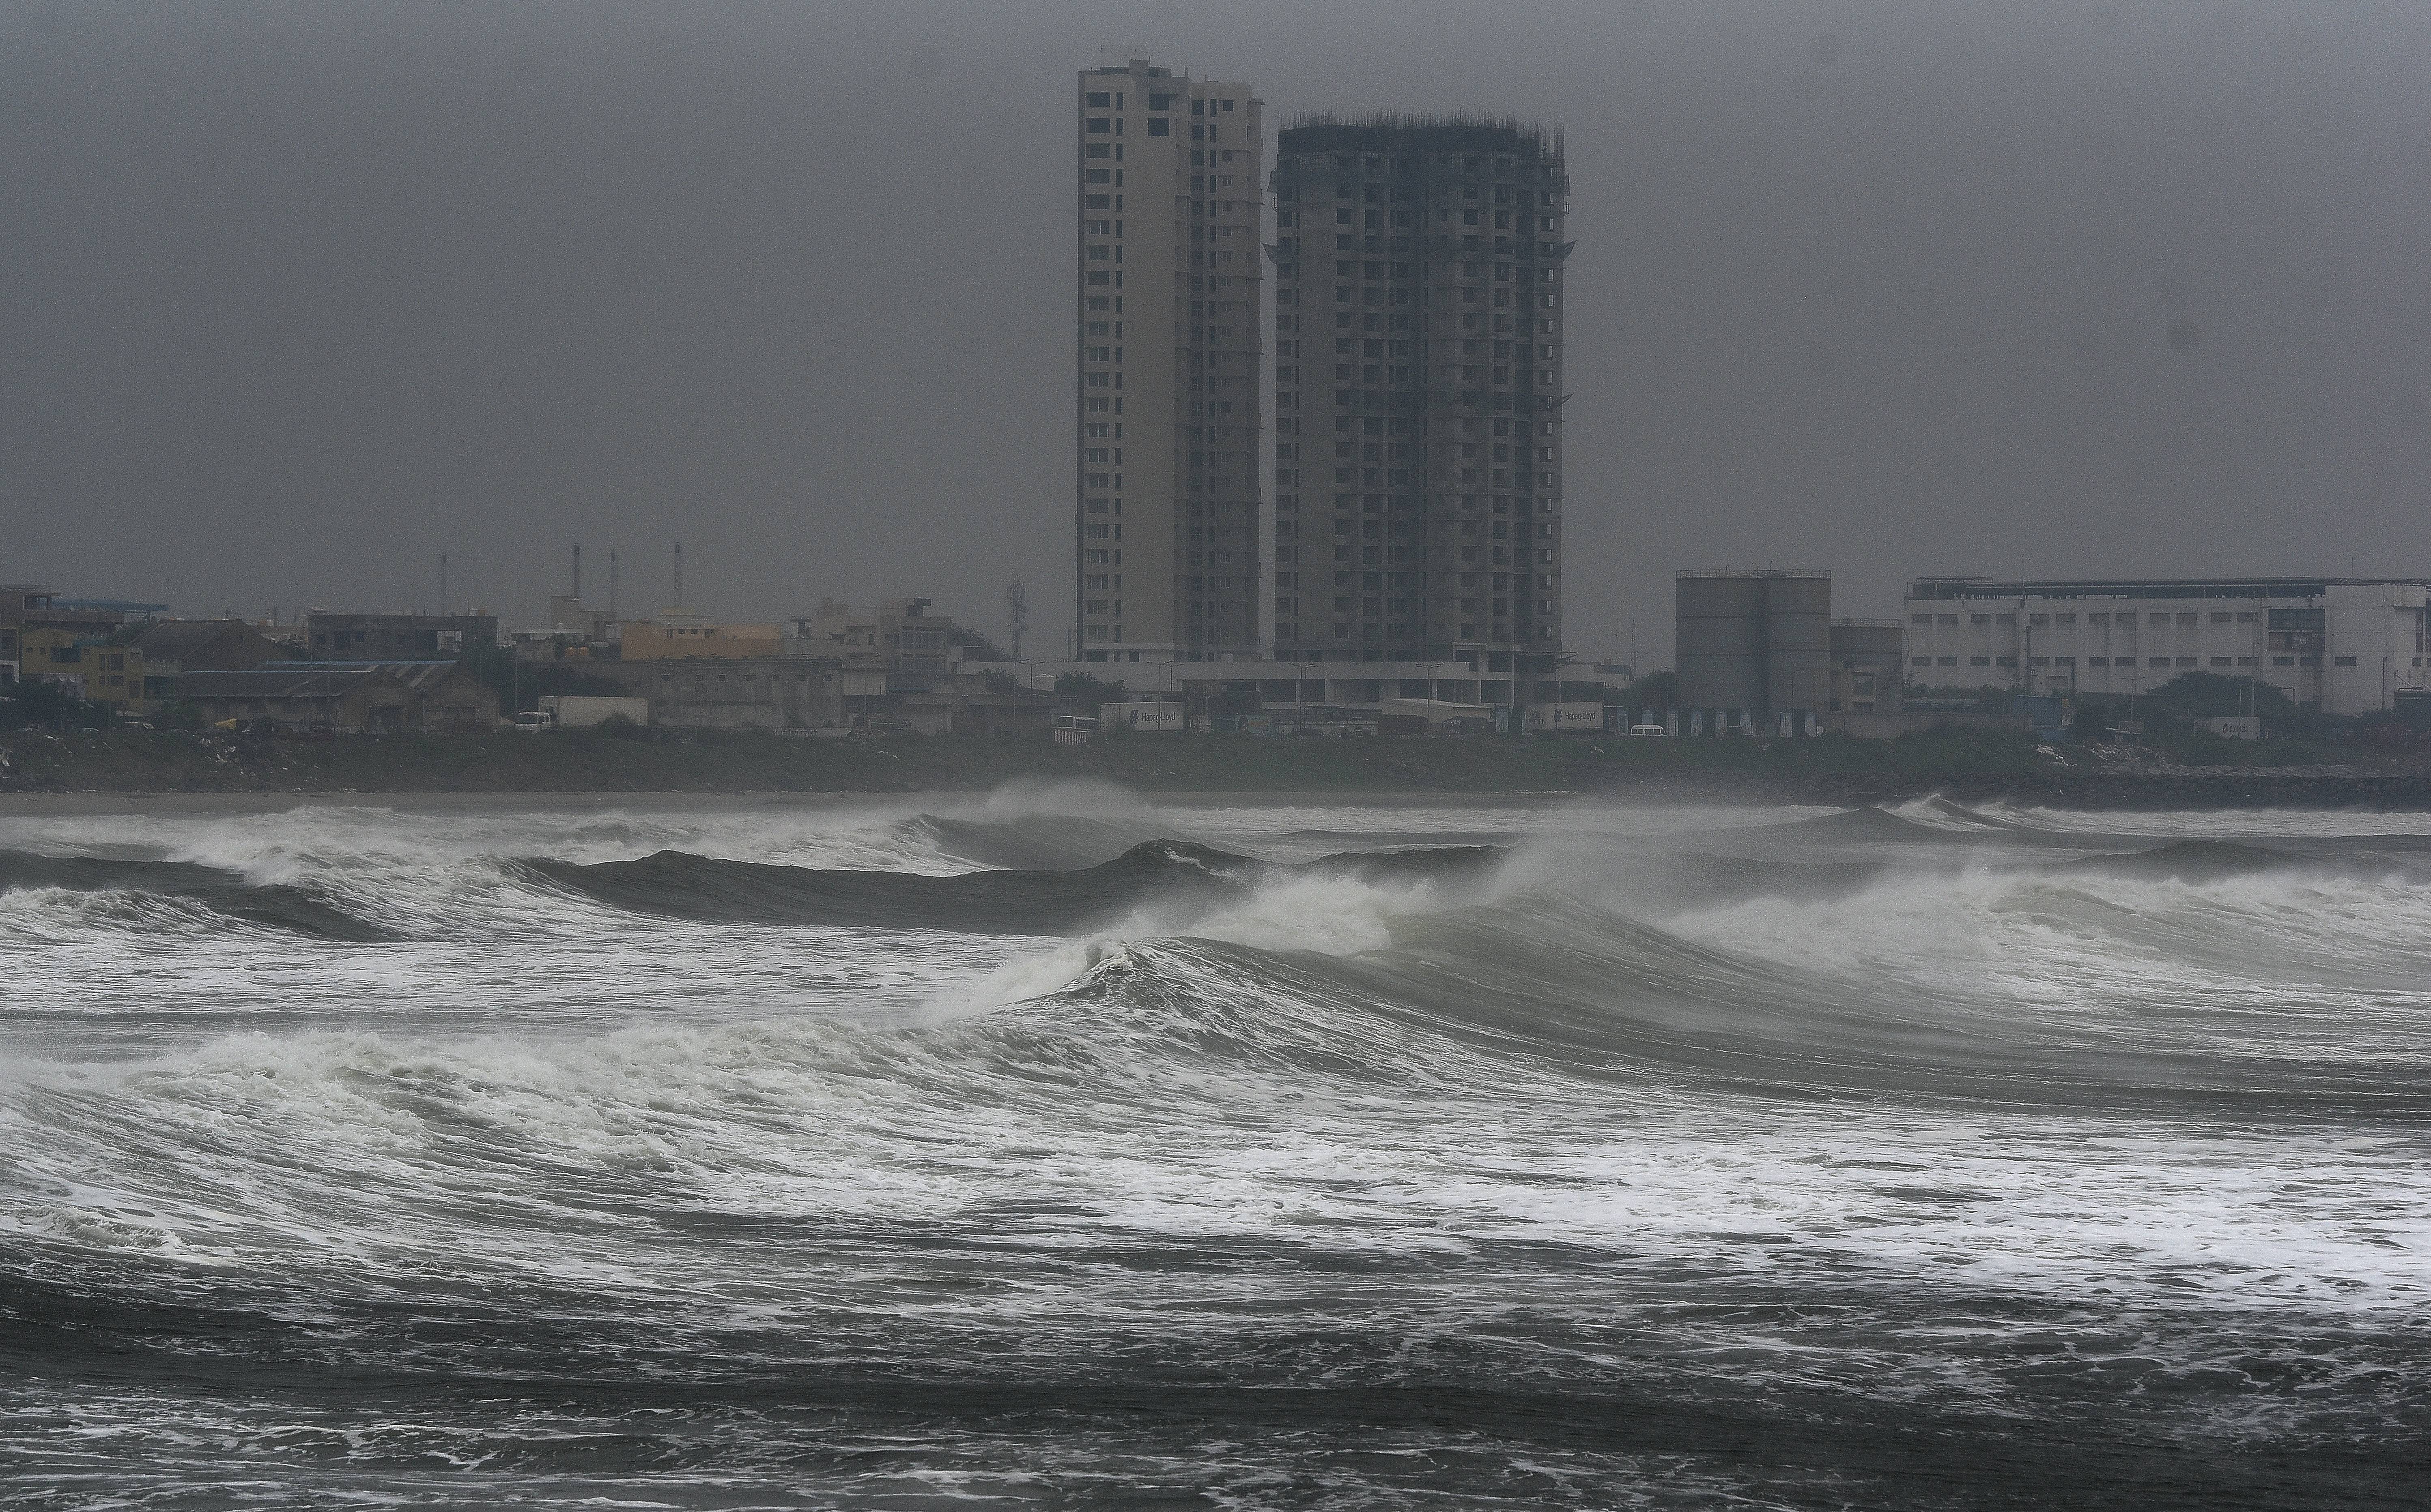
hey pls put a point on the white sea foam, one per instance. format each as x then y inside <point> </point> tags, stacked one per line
<point>1208,1135</point>
<point>2212,822</point>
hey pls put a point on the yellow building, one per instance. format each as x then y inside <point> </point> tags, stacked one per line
<point>89,666</point>
<point>673,634</point>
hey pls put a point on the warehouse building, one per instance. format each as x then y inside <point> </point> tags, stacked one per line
<point>398,697</point>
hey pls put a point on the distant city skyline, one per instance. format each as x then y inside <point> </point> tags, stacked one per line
<point>293,299</point>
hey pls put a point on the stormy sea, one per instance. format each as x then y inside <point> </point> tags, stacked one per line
<point>1057,1148</point>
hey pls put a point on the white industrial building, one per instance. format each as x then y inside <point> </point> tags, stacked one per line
<point>2344,645</point>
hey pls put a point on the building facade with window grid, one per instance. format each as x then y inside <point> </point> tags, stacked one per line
<point>1171,307</point>
<point>2342,645</point>
<point>1418,315</point>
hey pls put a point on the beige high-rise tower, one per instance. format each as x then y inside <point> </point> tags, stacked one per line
<point>1171,281</point>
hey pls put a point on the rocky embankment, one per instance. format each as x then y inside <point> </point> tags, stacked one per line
<point>1970,766</point>
<point>2151,788</point>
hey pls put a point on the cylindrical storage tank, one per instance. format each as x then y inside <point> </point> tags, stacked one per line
<point>1720,628</point>
<point>1798,643</point>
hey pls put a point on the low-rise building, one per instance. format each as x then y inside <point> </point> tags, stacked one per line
<point>396,637</point>
<point>671,635</point>
<point>2343,645</point>
<point>32,614</point>
<point>432,697</point>
<point>174,646</point>
<point>1869,666</point>
<point>1288,696</point>
<point>797,695</point>
<point>899,636</point>
<point>91,666</point>
<point>81,645</point>
<point>568,613</point>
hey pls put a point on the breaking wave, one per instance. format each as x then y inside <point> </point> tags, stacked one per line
<point>989,902</point>
<point>275,905</point>
<point>1162,878</point>
<point>867,1157</point>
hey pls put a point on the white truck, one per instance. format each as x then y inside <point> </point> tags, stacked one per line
<point>577,711</point>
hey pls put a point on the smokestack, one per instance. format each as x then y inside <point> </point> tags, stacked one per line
<point>578,572</point>
<point>612,582</point>
<point>442,582</point>
<point>680,603</point>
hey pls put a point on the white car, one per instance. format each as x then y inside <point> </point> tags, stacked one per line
<point>533,721</point>
<point>1648,729</point>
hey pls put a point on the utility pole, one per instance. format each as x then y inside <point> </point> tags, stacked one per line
<point>578,572</point>
<point>680,603</point>
<point>442,584</point>
<point>1016,604</point>
<point>612,582</point>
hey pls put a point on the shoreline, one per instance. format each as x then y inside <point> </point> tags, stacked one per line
<point>73,803</point>
<point>160,772</point>
<point>2188,789</point>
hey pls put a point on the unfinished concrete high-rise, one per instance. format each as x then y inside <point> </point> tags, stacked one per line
<point>1418,311</point>
<point>1169,320</point>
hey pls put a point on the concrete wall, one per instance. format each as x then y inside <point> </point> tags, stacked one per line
<point>1890,726</point>
<point>397,636</point>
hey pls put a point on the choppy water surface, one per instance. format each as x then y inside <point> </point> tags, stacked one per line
<point>1059,1150</point>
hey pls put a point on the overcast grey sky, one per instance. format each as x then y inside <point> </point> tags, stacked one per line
<point>294,296</point>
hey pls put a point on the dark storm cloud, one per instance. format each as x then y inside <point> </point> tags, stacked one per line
<point>294,297</point>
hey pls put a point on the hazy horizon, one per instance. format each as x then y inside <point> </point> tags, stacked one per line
<point>294,298</point>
